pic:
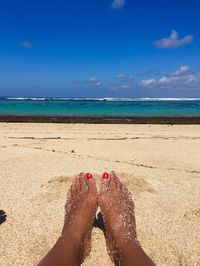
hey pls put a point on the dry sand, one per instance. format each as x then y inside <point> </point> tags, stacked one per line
<point>160,165</point>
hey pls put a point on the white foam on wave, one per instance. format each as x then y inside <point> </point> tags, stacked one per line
<point>25,99</point>
<point>170,99</point>
<point>108,99</point>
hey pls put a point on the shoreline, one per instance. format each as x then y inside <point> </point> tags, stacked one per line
<point>102,120</point>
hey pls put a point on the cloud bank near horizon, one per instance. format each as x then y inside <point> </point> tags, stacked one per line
<point>182,78</point>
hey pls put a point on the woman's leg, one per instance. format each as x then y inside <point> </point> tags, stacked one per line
<point>118,211</point>
<point>74,244</point>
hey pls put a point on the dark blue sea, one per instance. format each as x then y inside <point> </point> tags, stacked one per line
<point>94,107</point>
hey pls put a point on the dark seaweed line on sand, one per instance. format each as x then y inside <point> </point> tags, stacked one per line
<point>117,139</point>
<point>101,120</point>
<point>108,160</point>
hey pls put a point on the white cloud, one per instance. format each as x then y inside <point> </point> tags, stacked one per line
<point>26,44</point>
<point>125,77</point>
<point>182,78</point>
<point>122,82</point>
<point>118,4</point>
<point>181,71</point>
<point>93,81</point>
<point>148,82</point>
<point>173,41</point>
<point>98,83</point>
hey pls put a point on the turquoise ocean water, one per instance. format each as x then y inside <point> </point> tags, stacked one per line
<point>80,107</point>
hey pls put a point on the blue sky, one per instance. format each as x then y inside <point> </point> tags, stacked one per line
<point>101,48</point>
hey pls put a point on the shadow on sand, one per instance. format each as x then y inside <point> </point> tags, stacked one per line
<point>99,222</point>
<point>2,216</point>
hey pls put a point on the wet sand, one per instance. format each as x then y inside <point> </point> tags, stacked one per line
<point>159,163</point>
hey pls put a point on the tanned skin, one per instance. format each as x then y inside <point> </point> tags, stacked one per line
<point>117,208</point>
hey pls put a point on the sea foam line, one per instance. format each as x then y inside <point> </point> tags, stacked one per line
<point>96,99</point>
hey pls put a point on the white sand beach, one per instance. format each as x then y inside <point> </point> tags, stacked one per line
<point>159,163</point>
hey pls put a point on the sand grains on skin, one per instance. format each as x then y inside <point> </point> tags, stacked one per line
<point>118,212</point>
<point>81,202</point>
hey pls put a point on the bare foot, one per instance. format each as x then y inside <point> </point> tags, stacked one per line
<point>118,211</point>
<point>80,209</point>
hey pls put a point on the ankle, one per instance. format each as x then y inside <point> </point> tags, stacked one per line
<point>125,245</point>
<point>72,244</point>
<point>71,239</point>
<point>131,253</point>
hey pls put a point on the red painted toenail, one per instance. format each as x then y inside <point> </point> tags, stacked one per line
<point>105,176</point>
<point>89,176</point>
